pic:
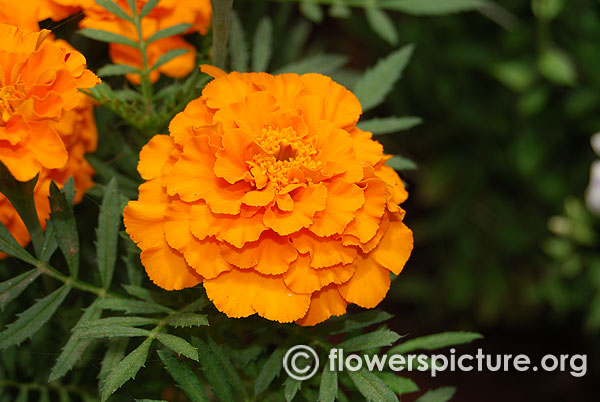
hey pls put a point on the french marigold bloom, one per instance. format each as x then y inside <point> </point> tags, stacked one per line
<point>165,14</point>
<point>40,81</point>
<point>26,14</point>
<point>267,192</point>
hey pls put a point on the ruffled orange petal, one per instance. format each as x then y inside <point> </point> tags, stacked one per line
<point>301,278</point>
<point>324,304</point>
<point>324,251</point>
<point>154,155</point>
<point>307,201</point>
<point>178,276</point>
<point>369,284</point>
<point>343,200</point>
<point>367,218</point>
<point>394,248</point>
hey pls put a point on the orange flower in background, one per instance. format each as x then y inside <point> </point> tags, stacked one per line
<point>266,191</point>
<point>40,81</point>
<point>26,14</point>
<point>165,14</point>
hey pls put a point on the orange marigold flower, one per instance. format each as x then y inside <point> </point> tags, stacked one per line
<point>165,14</point>
<point>40,81</point>
<point>26,14</point>
<point>267,192</point>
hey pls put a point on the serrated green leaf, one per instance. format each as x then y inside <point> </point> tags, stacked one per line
<point>378,81</point>
<point>110,70</point>
<point>328,388</point>
<point>196,305</point>
<point>117,321</point>
<point>269,371</point>
<point>263,43</point>
<point>184,376</point>
<point>401,163</point>
<point>132,306</point>
<point>231,373</point>
<point>237,44</point>
<point>12,288</point>
<point>382,24</point>
<point>132,6</point>
<point>388,125</point>
<point>112,331</point>
<point>113,355</point>
<point>432,7</point>
<point>167,32</point>
<point>312,11</point>
<point>290,388</point>
<point>178,345</point>
<point>377,339</point>
<point>125,369</point>
<point>167,57</point>
<point>354,322</point>
<point>115,9</point>
<point>436,341</point>
<point>399,385</point>
<point>187,320</point>
<point>107,233</point>
<point>372,387</point>
<point>50,243</point>
<point>10,246</point>
<point>104,36</point>
<point>149,6</point>
<point>32,319</point>
<point>63,221</point>
<point>74,347</point>
<point>321,63</point>
<point>442,394</point>
<point>213,371</point>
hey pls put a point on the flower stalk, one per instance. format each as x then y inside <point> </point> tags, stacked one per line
<point>220,30</point>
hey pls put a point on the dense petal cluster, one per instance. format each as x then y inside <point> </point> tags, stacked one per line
<point>39,82</point>
<point>267,192</point>
<point>165,14</point>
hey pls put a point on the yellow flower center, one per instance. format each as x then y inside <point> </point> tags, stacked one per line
<point>10,99</point>
<point>284,156</point>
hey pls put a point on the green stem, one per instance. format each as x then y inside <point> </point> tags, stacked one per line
<point>48,386</point>
<point>146,84</point>
<point>220,30</point>
<point>76,283</point>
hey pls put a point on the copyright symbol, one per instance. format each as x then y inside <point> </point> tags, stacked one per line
<point>302,371</point>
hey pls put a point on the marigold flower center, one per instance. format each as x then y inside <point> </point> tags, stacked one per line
<point>284,155</point>
<point>11,98</point>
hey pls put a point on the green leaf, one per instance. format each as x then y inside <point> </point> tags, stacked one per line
<point>291,388</point>
<point>237,44</point>
<point>32,319</point>
<point>372,387</point>
<point>312,11</point>
<point>340,10</point>
<point>167,57</point>
<point>132,6</point>
<point>187,320</point>
<point>167,32</point>
<point>328,388</point>
<point>50,243</point>
<point>232,375</point>
<point>557,66</point>
<point>378,81</point>
<point>382,24</point>
<point>401,163</point>
<point>104,36</point>
<point>436,341</point>
<point>132,306</point>
<point>321,63</point>
<point>547,9</point>
<point>112,357</point>
<point>20,195</point>
<point>12,288</point>
<point>125,369</point>
<point>149,6</point>
<point>354,322</point>
<point>74,348</point>
<point>178,345</point>
<point>213,371</point>
<point>377,339</point>
<point>23,395</point>
<point>388,125</point>
<point>442,394</point>
<point>112,331</point>
<point>399,385</point>
<point>432,7</point>
<point>10,246</point>
<point>269,371</point>
<point>263,43</point>
<point>107,233</point>
<point>516,75</point>
<point>115,9</point>
<point>63,221</point>
<point>184,376</point>
<point>117,321</point>
<point>196,305</point>
<point>116,69</point>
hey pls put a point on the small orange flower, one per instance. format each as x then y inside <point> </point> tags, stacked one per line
<point>267,192</point>
<point>165,14</point>
<point>40,81</point>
